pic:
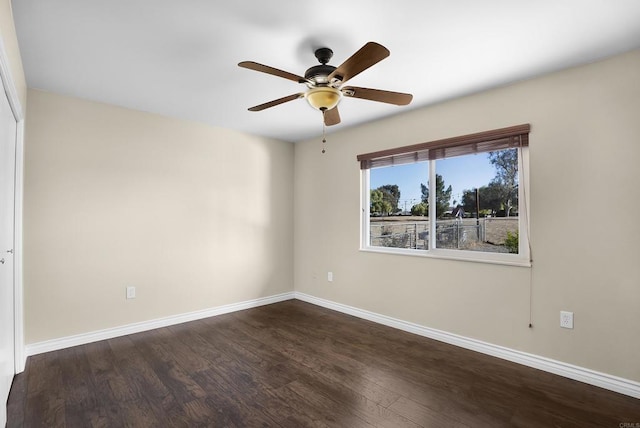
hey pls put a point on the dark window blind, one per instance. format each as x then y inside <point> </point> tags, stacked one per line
<point>488,141</point>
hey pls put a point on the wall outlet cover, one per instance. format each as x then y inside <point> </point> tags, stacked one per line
<point>566,319</point>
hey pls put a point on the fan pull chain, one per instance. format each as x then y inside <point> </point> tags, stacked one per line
<point>324,139</point>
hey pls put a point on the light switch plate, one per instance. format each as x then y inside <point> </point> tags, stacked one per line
<point>131,292</point>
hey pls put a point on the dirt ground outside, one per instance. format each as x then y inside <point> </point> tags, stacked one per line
<point>486,234</point>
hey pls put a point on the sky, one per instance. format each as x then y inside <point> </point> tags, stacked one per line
<point>462,173</point>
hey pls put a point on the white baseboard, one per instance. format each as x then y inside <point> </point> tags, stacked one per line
<point>109,333</point>
<point>581,374</point>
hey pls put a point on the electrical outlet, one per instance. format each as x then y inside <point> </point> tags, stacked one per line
<point>131,292</point>
<point>330,276</point>
<point>566,319</point>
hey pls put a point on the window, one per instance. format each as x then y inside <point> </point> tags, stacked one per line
<point>473,187</point>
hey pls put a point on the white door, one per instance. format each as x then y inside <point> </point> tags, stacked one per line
<point>8,129</point>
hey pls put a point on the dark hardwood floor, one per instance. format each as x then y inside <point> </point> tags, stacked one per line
<point>293,364</point>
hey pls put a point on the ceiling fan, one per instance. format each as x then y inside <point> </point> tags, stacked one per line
<point>324,82</point>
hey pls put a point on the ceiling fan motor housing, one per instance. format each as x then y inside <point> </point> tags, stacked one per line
<point>319,74</point>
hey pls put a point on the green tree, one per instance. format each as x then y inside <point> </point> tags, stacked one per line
<point>378,204</point>
<point>469,200</point>
<point>391,194</point>
<point>443,196</point>
<point>420,209</point>
<point>494,197</point>
<point>491,198</point>
<point>506,180</point>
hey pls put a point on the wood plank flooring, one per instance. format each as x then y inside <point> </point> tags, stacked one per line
<point>293,364</point>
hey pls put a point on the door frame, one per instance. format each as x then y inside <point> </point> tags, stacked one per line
<point>18,113</point>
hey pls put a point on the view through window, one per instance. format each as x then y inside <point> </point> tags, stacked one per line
<point>474,200</point>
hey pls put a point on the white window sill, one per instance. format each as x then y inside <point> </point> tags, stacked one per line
<point>458,255</point>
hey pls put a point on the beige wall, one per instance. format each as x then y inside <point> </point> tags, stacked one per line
<point>195,217</point>
<point>584,178</point>
<point>10,41</point>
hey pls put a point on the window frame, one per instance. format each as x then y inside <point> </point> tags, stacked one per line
<point>523,258</point>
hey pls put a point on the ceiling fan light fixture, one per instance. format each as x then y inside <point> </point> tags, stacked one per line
<point>323,97</point>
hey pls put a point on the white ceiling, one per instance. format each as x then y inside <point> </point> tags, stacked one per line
<point>179,58</point>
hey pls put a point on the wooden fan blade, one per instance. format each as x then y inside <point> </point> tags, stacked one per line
<point>270,70</point>
<point>368,55</point>
<point>397,98</point>
<point>332,117</point>
<point>276,102</point>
